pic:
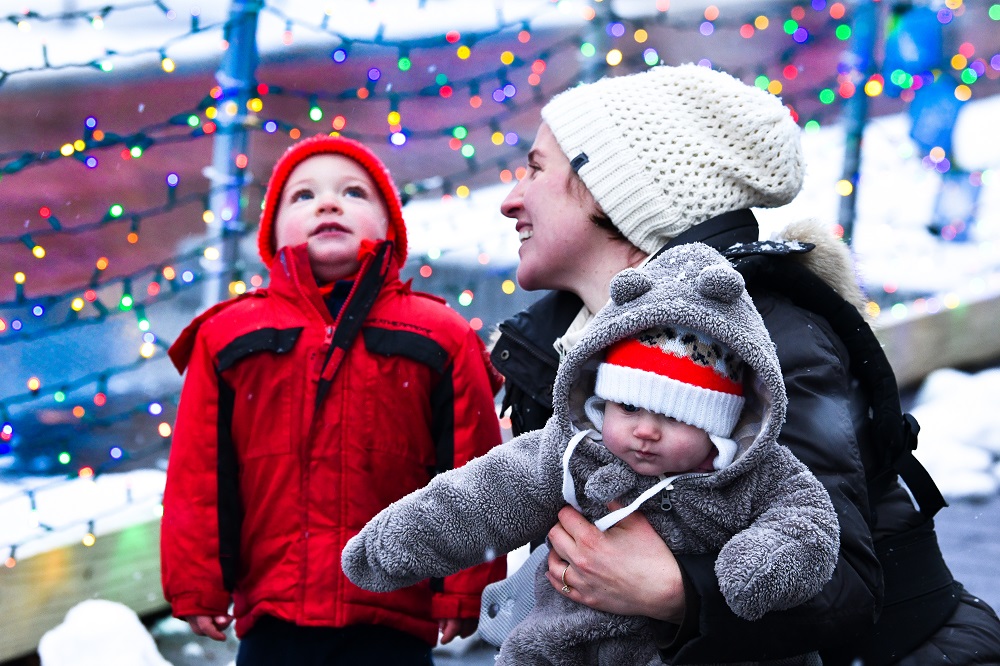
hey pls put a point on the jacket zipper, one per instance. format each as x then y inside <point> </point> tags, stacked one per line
<point>666,504</point>
<point>527,346</point>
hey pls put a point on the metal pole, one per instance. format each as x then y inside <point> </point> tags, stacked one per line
<point>861,60</point>
<point>593,67</point>
<point>237,79</point>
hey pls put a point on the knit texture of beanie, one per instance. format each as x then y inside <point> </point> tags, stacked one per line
<point>668,148</point>
<point>678,373</point>
<point>330,145</point>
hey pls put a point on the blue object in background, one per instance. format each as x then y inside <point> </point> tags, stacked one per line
<point>934,110</point>
<point>955,206</point>
<point>914,44</point>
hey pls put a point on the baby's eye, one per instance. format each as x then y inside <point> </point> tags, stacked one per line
<point>303,194</point>
<point>629,408</point>
<point>357,192</point>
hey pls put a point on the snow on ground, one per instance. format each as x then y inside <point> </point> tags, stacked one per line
<point>44,513</point>
<point>959,439</point>
<point>97,632</point>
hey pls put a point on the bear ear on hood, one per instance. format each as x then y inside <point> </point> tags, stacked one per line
<point>629,285</point>
<point>720,282</point>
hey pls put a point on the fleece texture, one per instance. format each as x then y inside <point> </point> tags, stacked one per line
<point>767,516</point>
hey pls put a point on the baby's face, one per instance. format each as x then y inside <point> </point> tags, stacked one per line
<point>653,444</point>
<point>331,203</point>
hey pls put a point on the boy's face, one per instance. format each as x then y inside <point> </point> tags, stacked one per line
<point>331,203</point>
<point>653,444</point>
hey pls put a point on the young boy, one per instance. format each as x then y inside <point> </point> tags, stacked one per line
<point>678,374</point>
<point>308,407</point>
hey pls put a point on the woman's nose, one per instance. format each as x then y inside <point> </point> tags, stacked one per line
<point>512,203</point>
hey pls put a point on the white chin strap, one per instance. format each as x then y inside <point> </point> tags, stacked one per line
<point>727,451</point>
<point>569,488</point>
<point>620,514</point>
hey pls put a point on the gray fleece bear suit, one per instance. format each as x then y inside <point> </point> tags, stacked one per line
<point>767,516</point>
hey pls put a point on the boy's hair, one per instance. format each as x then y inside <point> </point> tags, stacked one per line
<point>330,145</point>
<point>676,372</point>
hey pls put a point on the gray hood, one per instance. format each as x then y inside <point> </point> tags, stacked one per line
<point>695,287</point>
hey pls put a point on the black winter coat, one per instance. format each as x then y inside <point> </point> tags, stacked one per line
<point>872,609</point>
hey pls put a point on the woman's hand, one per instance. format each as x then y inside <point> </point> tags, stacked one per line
<point>628,570</point>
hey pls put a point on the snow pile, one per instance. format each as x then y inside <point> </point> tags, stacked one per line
<point>97,632</point>
<point>959,439</point>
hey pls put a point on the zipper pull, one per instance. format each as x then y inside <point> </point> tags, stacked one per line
<point>665,503</point>
<point>329,335</point>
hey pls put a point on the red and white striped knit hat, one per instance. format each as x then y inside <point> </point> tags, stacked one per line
<point>676,372</point>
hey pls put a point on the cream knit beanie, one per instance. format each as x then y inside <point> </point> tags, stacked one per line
<point>668,148</point>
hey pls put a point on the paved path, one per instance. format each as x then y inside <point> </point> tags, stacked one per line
<point>969,534</point>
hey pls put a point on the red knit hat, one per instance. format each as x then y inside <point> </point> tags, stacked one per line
<point>676,372</point>
<point>330,145</point>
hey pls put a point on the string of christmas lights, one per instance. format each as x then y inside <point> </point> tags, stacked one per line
<point>404,45</point>
<point>178,273</point>
<point>134,144</point>
<point>442,183</point>
<point>825,95</point>
<point>409,188</point>
<point>97,378</point>
<point>161,407</point>
<point>97,18</point>
<point>802,28</point>
<point>89,15</point>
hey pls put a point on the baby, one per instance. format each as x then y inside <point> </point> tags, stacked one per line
<point>674,392</point>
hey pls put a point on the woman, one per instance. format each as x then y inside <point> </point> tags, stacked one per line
<point>620,168</point>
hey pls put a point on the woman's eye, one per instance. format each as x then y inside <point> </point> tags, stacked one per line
<point>301,195</point>
<point>629,408</point>
<point>533,167</point>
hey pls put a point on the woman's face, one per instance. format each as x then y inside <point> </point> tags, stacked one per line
<point>558,239</point>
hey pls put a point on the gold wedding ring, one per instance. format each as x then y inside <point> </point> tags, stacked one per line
<point>566,589</point>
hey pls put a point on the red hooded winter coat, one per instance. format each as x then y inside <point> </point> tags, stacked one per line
<point>290,436</point>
